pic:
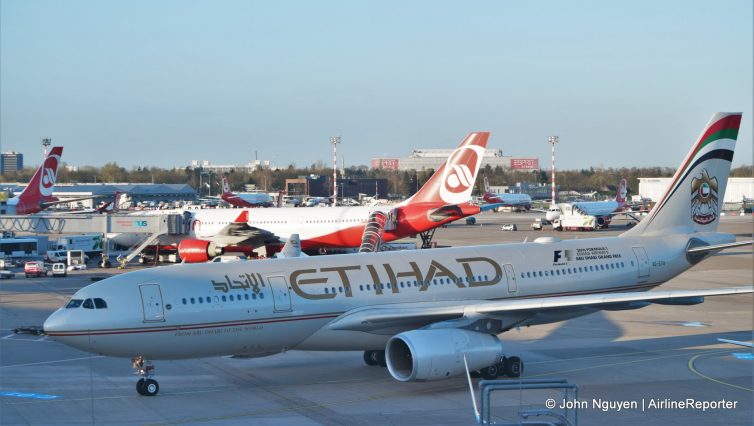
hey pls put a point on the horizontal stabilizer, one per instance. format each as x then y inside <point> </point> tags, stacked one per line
<point>718,247</point>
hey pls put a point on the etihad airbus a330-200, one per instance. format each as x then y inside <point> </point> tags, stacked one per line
<point>422,313</point>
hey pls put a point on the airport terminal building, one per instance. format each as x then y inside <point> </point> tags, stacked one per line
<point>138,192</point>
<point>738,189</point>
<point>432,158</point>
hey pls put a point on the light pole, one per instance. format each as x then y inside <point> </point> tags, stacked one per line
<point>552,140</point>
<point>335,140</point>
<point>46,142</point>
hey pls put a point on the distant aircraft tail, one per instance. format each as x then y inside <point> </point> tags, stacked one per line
<point>622,194</point>
<point>41,185</point>
<point>486,186</point>
<point>226,187</point>
<point>453,182</point>
<point>694,198</point>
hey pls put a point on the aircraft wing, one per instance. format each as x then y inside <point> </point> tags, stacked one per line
<point>240,232</point>
<point>517,311</point>
<point>46,204</point>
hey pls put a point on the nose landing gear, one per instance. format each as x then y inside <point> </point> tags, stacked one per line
<point>145,385</point>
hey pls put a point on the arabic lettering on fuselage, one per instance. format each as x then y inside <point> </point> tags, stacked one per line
<point>246,282</point>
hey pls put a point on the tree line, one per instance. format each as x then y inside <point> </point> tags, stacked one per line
<point>400,183</point>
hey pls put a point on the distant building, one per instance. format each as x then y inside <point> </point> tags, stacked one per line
<point>226,168</point>
<point>423,159</point>
<point>138,192</point>
<point>321,186</point>
<point>738,188</point>
<point>11,162</point>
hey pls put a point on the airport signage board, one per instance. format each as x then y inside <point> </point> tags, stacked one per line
<point>385,163</point>
<point>525,163</point>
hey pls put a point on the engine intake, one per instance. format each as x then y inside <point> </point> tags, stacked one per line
<point>197,251</point>
<point>421,355</point>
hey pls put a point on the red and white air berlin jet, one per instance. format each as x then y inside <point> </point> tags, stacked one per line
<point>37,195</point>
<point>444,198</point>
<point>250,200</point>
<point>506,200</point>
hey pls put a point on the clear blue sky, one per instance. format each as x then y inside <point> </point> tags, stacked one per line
<point>623,83</point>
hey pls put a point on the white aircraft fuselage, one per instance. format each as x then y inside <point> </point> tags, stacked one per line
<point>258,308</point>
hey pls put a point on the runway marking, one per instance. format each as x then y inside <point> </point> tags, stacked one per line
<point>618,363</point>
<point>744,356</point>
<point>52,362</point>
<point>693,369</point>
<point>102,398</point>
<point>28,395</point>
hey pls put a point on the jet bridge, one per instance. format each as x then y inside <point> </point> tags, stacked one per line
<point>152,226</point>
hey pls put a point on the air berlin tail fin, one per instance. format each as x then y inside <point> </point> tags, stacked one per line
<point>694,199</point>
<point>620,197</point>
<point>453,182</point>
<point>41,185</point>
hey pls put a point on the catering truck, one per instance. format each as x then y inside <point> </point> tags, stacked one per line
<point>90,244</point>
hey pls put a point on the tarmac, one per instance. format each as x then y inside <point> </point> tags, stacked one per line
<point>631,367</point>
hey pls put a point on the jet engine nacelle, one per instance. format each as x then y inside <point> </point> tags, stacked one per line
<point>197,251</point>
<point>420,355</point>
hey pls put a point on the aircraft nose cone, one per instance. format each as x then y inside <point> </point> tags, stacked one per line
<point>52,324</point>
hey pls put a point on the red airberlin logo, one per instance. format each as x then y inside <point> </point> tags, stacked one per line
<point>460,173</point>
<point>49,170</point>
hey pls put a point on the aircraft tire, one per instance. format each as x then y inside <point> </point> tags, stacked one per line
<point>491,372</point>
<point>151,387</point>
<point>140,386</point>
<point>514,366</point>
<point>370,358</point>
<point>381,358</point>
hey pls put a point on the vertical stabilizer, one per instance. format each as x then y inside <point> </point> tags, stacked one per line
<point>694,198</point>
<point>620,197</point>
<point>226,186</point>
<point>41,185</point>
<point>453,182</point>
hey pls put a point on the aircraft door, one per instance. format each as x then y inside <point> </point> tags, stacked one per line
<point>643,261</point>
<point>151,302</point>
<point>510,275</point>
<point>281,293</point>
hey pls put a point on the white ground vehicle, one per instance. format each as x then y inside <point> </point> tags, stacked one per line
<point>58,270</point>
<point>509,227</point>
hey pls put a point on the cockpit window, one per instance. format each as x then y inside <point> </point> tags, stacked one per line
<point>74,303</point>
<point>88,304</point>
<point>99,303</point>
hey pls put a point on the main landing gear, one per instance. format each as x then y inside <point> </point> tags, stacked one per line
<point>145,385</point>
<point>508,366</point>
<point>375,358</point>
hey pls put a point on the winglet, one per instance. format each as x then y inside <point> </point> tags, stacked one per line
<point>243,217</point>
<point>292,248</point>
